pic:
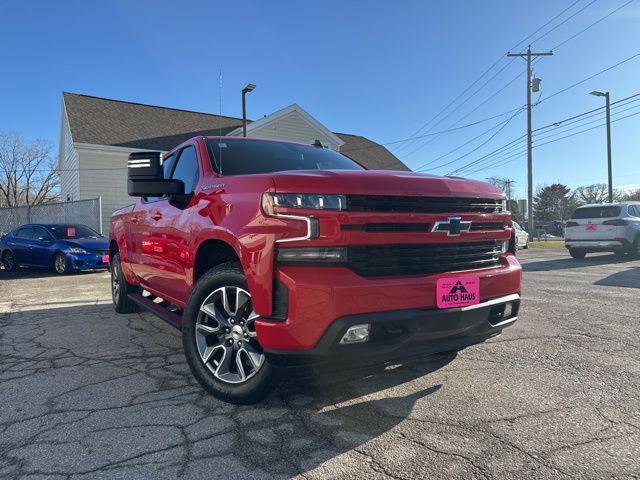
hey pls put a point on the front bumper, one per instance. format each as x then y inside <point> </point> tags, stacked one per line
<point>405,333</point>
<point>318,297</point>
<point>90,261</point>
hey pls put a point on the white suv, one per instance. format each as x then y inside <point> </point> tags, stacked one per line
<point>609,227</point>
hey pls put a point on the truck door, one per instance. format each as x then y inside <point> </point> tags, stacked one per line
<point>141,229</point>
<point>166,246</point>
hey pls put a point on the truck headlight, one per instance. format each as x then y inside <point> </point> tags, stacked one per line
<point>311,201</point>
<point>77,251</point>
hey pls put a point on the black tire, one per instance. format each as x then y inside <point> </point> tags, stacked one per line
<point>249,391</point>
<point>60,264</point>
<point>9,262</point>
<point>620,253</point>
<point>577,252</point>
<point>526,246</point>
<point>121,302</point>
<point>635,248</point>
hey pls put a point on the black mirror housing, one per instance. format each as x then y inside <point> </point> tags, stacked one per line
<point>145,177</point>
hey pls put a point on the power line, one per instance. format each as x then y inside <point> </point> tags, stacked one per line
<point>592,24</point>
<point>504,124</point>
<point>590,77</point>
<point>519,154</point>
<point>494,64</point>
<point>516,143</point>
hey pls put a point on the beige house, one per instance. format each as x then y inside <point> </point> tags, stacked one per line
<point>97,135</point>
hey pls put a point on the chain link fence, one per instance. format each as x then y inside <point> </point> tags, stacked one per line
<point>85,212</point>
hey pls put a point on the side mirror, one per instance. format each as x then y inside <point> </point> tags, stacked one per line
<point>145,177</point>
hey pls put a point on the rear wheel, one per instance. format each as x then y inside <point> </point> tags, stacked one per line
<point>577,252</point>
<point>8,261</point>
<point>635,248</point>
<point>120,289</point>
<point>620,253</point>
<point>219,338</point>
<point>60,264</point>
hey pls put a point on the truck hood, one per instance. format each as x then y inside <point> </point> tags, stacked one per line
<point>382,182</point>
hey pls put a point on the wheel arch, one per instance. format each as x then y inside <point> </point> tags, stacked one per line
<point>212,252</point>
<point>219,246</point>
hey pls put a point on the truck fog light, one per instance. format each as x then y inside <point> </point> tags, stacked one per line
<point>329,255</point>
<point>356,334</point>
<point>508,310</point>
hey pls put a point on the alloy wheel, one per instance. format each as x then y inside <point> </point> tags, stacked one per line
<point>60,263</point>
<point>226,337</point>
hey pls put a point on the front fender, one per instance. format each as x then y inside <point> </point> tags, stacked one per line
<point>255,252</point>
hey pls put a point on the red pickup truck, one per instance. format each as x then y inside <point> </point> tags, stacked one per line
<point>270,254</point>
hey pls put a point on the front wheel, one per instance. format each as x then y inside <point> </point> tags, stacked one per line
<point>60,264</point>
<point>577,252</point>
<point>220,341</point>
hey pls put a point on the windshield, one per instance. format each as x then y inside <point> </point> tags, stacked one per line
<point>596,212</point>
<point>69,232</point>
<point>243,157</point>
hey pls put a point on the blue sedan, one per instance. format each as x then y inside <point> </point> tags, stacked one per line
<point>63,247</point>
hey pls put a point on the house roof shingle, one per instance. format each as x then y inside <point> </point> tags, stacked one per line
<point>103,121</point>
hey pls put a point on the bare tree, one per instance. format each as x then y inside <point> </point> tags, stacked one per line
<point>28,173</point>
<point>597,193</point>
<point>632,195</point>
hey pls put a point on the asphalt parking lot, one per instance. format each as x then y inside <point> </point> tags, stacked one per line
<point>86,393</point>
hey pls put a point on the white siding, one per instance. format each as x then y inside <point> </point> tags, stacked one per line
<point>68,162</point>
<point>292,127</point>
<point>103,173</point>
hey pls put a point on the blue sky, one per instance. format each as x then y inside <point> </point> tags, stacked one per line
<point>376,68</point>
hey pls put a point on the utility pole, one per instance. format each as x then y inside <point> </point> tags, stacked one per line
<point>608,109</point>
<point>508,183</point>
<point>528,55</point>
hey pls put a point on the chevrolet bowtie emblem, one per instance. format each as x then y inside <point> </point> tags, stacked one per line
<point>453,226</point>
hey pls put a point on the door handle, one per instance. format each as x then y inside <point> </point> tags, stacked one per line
<point>133,219</point>
<point>156,216</point>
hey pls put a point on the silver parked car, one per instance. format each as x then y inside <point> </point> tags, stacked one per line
<point>522,237</point>
<point>609,227</point>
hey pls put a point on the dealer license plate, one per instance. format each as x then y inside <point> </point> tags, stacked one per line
<point>457,292</point>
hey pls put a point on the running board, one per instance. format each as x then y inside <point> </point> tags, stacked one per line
<point>158,310</point>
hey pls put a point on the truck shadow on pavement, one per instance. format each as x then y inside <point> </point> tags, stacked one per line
<point>109,394</point>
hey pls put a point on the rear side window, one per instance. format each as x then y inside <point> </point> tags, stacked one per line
<point>24,232</point>
<point>596,212</point>
<point>634,210</point>
<point>187,169</point>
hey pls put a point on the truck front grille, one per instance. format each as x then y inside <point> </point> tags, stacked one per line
<point>379,203</point>
<point>422,259</point>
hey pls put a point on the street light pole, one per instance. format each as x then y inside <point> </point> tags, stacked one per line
<point>608,113</point>
<point>245,90</point>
